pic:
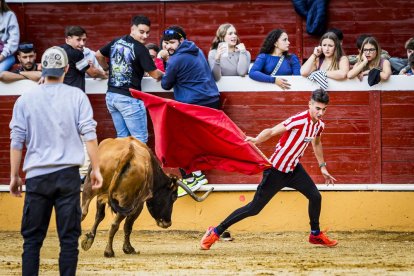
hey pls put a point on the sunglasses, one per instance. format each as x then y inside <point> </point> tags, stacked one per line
<point>172,32</point>
<point>28,46</point>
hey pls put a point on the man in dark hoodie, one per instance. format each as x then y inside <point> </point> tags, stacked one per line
<point>189,74</point>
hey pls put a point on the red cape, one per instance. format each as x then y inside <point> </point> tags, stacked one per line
<point>195,137</point>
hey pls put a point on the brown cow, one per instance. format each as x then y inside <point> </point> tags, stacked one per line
<point>131,176</point>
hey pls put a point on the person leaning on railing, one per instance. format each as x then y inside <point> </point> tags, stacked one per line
<point>9,36</point>
<point>228,56</point>
<point>328,56</point>
<point>370,62</point>
<point>274,60</point>
<point>27,68</point>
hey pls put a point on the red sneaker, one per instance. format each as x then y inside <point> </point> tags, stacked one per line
<point>209,238</point>
<point>322,239</point>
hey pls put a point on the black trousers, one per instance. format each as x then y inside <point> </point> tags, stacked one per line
<point>60,190</point>
<point>273,181</point>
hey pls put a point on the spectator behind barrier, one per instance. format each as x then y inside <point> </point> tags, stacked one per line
<point>353,59</point>
<point>369,59</point>
<point>189,74</point>
<point>411,65</point>
<point>9,36</point>
<point>75,38</point>
<point>128,61</point>
<point>339,34</point>
<point>327,61</point>
<point>153,51</point>
<point>163,53</point>
<point>228,56</point>
<point>400,65</point>
<point>275,60</point>
<point>27,69</point>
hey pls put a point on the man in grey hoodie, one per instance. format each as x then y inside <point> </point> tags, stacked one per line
<point>49,120</point>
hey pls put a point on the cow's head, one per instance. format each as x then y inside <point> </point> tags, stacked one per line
<point>160,206</point>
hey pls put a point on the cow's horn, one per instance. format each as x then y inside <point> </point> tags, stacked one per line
<point>192,194</point>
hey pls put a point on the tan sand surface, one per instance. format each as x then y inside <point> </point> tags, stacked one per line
<point>177,253</point>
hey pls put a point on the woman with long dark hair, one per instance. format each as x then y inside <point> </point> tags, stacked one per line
<point>275,60</point>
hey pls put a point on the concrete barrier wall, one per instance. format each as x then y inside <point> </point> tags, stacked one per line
<point>368,140</point>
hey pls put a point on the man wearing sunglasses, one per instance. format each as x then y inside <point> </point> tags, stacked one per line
<point>190,75</point>
<point>28,68</point>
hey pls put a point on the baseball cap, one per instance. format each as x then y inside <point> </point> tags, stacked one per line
<point>54,61</point>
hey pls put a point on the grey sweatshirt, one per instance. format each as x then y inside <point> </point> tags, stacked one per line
<point>235,64</point>
<point>9,33</point>
<point>49,120</point>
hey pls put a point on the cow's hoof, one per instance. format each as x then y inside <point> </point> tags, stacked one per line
<point>129,250</point>
<point>87,241</point>
<point>109,254</point>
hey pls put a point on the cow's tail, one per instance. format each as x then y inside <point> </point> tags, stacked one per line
<point>123,164</point>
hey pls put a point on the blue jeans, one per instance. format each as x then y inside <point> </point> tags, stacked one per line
<point>129,116</point>
<point>59,190</point>
<point>7,63</point>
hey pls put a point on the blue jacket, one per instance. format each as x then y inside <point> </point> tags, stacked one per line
<point>265,64</point>
<point>190,75</point>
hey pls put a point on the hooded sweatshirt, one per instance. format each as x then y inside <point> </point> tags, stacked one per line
<point>49,120</point>
<point>189,74</point>
<point>9,33</point>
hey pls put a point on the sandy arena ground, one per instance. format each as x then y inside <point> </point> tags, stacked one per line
<point>177,253</point>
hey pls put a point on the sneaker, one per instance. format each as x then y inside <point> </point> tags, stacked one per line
<point>209,238</point>
<point>322,239</point>
<point>193,185</point>
<point>202,179</point>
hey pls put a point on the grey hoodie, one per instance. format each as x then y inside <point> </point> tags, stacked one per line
<point>9,33</point>
<point>49,120</point>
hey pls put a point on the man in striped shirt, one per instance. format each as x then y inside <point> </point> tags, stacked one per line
<point>298,131</point>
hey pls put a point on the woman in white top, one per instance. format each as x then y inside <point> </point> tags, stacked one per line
<point>228,57</point>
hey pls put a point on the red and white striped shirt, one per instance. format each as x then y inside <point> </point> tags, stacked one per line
<point>301,130</point>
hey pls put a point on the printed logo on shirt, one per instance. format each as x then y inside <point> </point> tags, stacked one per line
<point>122,56</point>
<point>308,139</point>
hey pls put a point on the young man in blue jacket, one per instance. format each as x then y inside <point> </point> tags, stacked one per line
<point>189,74</point>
